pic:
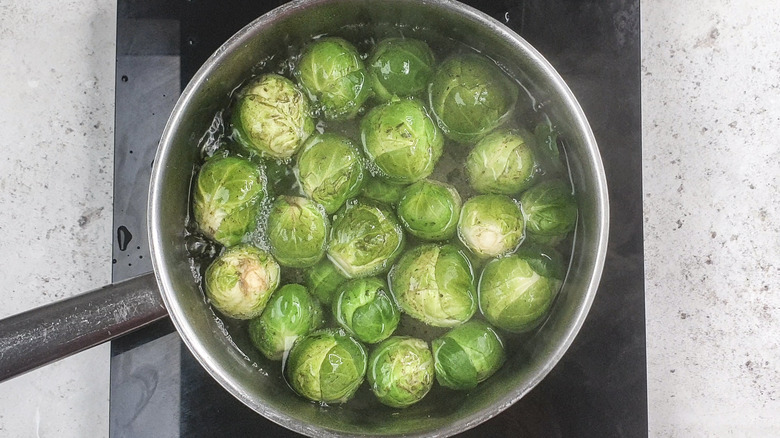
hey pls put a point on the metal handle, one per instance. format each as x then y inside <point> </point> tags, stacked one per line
<point>43,335</point>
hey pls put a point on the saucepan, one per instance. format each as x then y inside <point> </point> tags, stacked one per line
<point>42,335</point>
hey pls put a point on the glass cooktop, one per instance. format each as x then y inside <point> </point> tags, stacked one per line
<point>599,388</point>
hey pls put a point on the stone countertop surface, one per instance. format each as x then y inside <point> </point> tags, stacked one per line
<point>711,172</point>
<point>710,111</point>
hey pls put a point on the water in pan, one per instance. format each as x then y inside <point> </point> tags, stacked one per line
<point>218,138</point>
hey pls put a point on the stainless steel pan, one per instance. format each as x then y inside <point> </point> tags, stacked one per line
<point>42,335</point>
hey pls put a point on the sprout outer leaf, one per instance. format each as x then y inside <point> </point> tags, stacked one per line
<point>330,170</point>
<point>297,231</point>
<point>515,296</point>
<point>401,371</point>
<point>502,163</point>
<point>491,225</point>
<point>430,210</point>
<point>326,366</point>
<point>291,312</point>
<point>400,67</point>
<point>401,140</point>
<point>226,198</point>
<point>323,281</point>
<point>467,355</point>
<point>365,239</point>
<point>240,281</point>
<point>470,96</point>
<point>550,209</point>
<point>332,73</point>
<point>435,284</point>
<point>382,191</point>
<point>365,309</point>
<point>271,117</point>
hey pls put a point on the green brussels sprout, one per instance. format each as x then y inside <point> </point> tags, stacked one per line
<point>226,198</point>
<point>544,260</point>
<point>550,210</point>
<point>365,239</point>
<point>291,312</point>
<point>400,371</point>
<point>491,225</point>
<point>380,190</point>
<point>400,67</point>
<point>330,170</point>
<point>402,140</point>
<point>323,281</point>
<point>430,210</point>
<point>502,162</point>
<point>364,308</point>
<point>516,292</point>
<point>332,73</point>
<point>470,96</point>
<point>271,117</point>
<point>240,281</point>
<point>435,284</point>
<point>297,231</point>
<point>326,366</point>
<point>467,355</point>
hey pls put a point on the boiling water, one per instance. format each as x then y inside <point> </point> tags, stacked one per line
<point>218,139</point>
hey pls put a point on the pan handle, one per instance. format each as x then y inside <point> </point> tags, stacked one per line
<point>54,331</point>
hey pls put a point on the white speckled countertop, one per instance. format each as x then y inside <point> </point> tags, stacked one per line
<point>710,115</point>
<point>56,175</point>
<point>710,108</point>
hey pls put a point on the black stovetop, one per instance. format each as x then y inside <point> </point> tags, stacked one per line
<point>599,388</point>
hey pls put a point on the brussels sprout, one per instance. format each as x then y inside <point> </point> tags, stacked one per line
<point>271,117</point>
<point>326,366</point>
<point>364,308</point>
<point>502,162</point>
<point>323,280</point>
<point>430,210</point>
<point>365,239</point>
<point>470,96</point>
<point>380,190</point>
<point>550,210</point>
<point>435,284</point>
<point>544,260</point>
<point>241,280</point>
<point>400,67</point>
<point>516,292</point>
<point>330,170</point>
<point>400,371</point>
<point>297,231</point>
<point>402,140</point>
<point>331,71</point>
<point>226,198</point>
<point>491,225</point>
<point>467,355</point>
<point>291,312</point>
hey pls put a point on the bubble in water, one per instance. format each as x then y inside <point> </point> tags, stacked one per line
<point>257,237</point>
<point>199,246</point>
<point>210,141</point>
